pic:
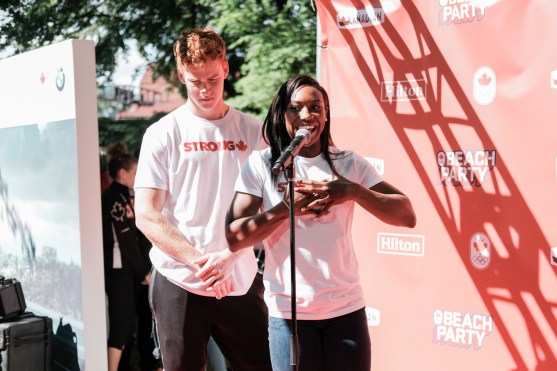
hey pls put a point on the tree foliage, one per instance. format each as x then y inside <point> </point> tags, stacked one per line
<point>268,40</point>
<point>127,131</point>
<point>276,39</point>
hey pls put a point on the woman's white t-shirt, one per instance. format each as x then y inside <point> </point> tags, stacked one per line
<point>327,278</point>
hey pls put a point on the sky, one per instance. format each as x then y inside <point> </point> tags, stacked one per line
<point>123,75</point>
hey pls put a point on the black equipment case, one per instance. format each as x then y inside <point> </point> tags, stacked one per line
<point>12,301</point>
<point>26,343</point>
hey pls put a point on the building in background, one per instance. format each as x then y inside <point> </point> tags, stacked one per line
<point>139,101</point>
<point>155,97</point>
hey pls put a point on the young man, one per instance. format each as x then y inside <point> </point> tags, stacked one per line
<point>185,181</point>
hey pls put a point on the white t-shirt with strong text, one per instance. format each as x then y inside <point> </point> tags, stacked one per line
<point>197,161</point>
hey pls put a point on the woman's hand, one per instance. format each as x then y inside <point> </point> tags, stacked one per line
<point>325,194</point>
<point>382,200</point>
<point>303,201</point>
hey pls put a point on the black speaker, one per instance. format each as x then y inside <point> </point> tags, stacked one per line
<point>12,301</point>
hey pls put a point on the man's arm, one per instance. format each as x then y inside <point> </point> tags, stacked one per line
<point>149,203</point>
<point>213,269</point>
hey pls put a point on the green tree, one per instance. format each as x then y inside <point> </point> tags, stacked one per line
<point>275,39</point>
<point>127,131</point>
<point>268,40</point>
<point>28,24</point>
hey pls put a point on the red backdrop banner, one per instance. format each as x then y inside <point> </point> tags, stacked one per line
<point>454,102</point>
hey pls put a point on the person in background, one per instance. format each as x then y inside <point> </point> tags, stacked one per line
<point>123,261</point>
<point>103,162</point>
<point>332,326</point>
<point>188,163</point>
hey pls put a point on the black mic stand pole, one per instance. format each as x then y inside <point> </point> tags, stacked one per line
<point>294,345</point>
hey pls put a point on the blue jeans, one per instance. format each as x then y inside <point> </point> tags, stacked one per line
<point>340,343</point>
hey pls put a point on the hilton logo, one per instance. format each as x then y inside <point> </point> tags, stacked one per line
<point>403,90</point>
<point>400,244</point>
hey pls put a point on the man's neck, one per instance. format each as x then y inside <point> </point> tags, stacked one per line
<point>215,114</point>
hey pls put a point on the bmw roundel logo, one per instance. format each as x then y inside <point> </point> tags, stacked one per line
<point>60,79</point>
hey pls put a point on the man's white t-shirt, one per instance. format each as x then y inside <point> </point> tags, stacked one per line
<point>327,278</point>
<point>197,161</point>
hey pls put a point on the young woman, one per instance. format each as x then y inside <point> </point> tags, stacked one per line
<point>124,261</point>
<point>332,325</point>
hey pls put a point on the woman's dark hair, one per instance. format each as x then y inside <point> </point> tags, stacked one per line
<point>274,126</point>
<point>118,158</point>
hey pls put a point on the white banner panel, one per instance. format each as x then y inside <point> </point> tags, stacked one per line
<point>50,208</point>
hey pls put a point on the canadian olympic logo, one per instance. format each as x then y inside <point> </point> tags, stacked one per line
<point>480,251</point>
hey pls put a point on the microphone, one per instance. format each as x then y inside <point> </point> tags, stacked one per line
<point>286,157</point>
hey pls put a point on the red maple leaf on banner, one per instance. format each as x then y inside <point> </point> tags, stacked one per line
<point>484,80</point>
<point>480,245</point>
<point>342,21</point>
<point>241,146</point>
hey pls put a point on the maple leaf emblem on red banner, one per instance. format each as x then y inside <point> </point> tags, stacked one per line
<point>342,21</point>
<point>241,146</point>
<point>484,80</point>
<point>480,245</point>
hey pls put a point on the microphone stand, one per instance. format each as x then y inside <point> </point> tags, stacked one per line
<point>294,344</point>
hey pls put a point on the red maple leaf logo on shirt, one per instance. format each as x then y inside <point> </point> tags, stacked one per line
<point>484,80</point>
<point>241,146</point>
